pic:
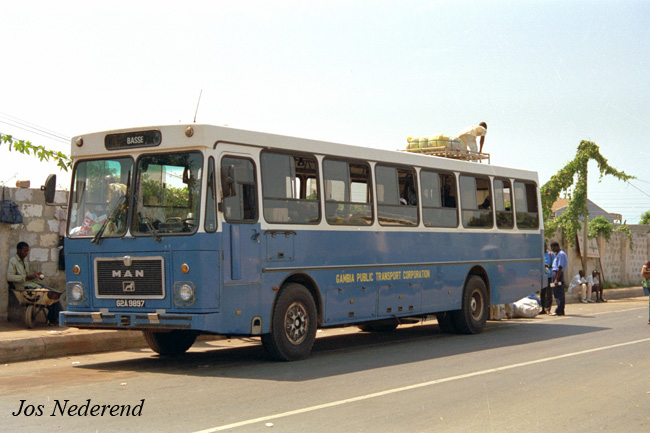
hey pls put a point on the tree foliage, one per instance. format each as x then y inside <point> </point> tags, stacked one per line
<point>572,180</point>
<point>645,218</point>
<point>62,160</point>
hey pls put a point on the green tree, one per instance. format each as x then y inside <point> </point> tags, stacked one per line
<point>63,161</point>
<point>645,218</point>
<point>572,179</point>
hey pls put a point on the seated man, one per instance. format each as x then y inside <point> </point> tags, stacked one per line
<point>19,274</point>
<point>594,281</point>
<point>585,289</point>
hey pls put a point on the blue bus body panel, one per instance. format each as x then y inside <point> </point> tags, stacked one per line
<point>357,275</point>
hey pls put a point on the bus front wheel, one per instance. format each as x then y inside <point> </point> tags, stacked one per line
<point>471,318</point>
<point>293,326</point>
<point>170,343</point>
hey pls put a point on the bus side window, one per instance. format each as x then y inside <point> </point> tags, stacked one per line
<point>241,206</point>
<point>290,188</point>
<point>503,203</point>
<point>439,207</point>
<point>397,202</point>
<point>347,193</point>
<point>526,205</point>
<point>211,200</point>
<point>476,202</point>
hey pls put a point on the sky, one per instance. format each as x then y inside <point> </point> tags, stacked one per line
<point>544,75</point>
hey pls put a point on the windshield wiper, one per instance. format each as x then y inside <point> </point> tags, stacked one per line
<point>152,230</point>
<point>120,201</point>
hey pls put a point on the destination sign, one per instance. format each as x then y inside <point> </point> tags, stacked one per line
<point>133,139</point>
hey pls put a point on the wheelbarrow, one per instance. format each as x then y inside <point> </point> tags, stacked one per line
<point>35,300</point>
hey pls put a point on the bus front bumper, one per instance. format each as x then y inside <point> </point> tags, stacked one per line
<point>139,320</point>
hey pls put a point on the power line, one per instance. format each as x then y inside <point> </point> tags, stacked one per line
<point>34,129</point>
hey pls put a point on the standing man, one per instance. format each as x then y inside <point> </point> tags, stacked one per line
<point>19,273</point>
<point>547,293</point>
<point>557,279</point>
<point>468,137</point>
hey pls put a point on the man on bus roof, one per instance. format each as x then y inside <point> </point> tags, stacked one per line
<point>468,137</point>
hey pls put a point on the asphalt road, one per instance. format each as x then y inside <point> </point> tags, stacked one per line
<point>588,371</point>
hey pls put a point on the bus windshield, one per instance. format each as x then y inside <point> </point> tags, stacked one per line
<point>97,192</point>
<point>167,194</point>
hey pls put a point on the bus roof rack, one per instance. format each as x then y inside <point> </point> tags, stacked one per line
<point>446,152</point>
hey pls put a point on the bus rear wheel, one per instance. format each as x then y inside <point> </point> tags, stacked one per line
<point>471,318</point>
<point>447,321</point>
<point>293,326</point>
<point>170,343</point>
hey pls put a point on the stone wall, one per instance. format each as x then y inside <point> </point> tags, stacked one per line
<point>620,264</point>
<point>40,229</point>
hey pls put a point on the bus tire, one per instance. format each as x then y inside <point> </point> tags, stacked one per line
<point>385,325</point>
<point>293,325</point>
<point>471,318</point>
<point>447,321</point>
<point>170,343</point>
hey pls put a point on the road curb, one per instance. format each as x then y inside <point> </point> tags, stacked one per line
<point>25,349</point>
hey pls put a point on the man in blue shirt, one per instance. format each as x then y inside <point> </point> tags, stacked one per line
<point>557,279</point>
<point>547,293</point>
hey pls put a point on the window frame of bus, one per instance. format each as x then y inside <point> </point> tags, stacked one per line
<point>454,185</point>
<point>255,201</point>
<point>266,187</point>
<point>210,223</point>
<point>504,212</point>
<point>537,211</point>
<point>397,167</point>
<point>463,205</point>
<point>369,193</point>
<point>74,193</point>
<point>136,187</point>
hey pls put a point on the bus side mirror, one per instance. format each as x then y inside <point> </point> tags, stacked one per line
<point>49,188</point>
<point>228,182</point>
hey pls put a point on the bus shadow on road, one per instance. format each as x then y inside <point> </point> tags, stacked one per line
<point>345,352</point>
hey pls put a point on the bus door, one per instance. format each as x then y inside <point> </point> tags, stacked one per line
<point>242,242</point>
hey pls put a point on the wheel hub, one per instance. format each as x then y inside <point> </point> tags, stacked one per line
<point>296,323</point>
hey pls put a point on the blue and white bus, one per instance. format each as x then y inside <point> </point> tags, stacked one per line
<point>185,230</point>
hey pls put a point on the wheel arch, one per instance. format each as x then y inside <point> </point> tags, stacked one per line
<point>480,272</point>
<point>309,283</point>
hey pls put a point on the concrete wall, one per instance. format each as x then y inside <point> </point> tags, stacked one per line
<point>621,265</point>
<point>40,229</point>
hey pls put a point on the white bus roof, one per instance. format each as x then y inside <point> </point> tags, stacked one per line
<point>178,137</point>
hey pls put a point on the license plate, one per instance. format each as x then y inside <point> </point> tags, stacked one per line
<point>133,303</point>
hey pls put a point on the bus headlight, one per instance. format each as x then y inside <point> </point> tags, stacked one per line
<point>184,293</point>
<point>76,293</point>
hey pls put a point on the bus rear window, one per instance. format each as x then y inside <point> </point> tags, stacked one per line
<point>526,205</point>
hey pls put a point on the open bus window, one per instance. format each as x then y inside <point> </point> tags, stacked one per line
<point>97,191</point>
<point>503,204</point>
<point>439,204</point>
<point>347,193</point>
<point>242,205</point>
<point>397,202</point>
<point>167,193</point>
<point>526,205</point>
<point>290,188</point>
<point>476,202</point>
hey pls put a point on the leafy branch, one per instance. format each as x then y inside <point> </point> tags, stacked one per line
<point>63,161</point>
<point>574,175</point>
